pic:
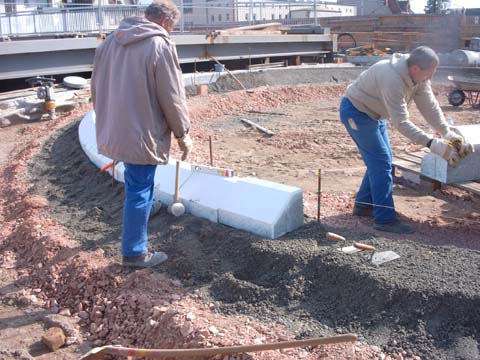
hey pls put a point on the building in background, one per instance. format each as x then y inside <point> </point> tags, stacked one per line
<point>378,7</point>
<point>220,13</point>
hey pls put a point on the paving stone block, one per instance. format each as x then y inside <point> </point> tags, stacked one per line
<point>468,169</point>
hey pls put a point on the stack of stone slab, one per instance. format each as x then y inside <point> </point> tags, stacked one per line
<point>468,169</point>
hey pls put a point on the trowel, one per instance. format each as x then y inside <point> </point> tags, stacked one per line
<point>377,258</point>
<point>346,249</point>
<point>357,247</point>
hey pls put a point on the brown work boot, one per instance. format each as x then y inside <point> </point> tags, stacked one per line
<point>396,227</point>
<point>145,261</point>
<point>362,211</point>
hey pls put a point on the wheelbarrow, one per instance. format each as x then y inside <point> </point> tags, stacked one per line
<point>464,89</point>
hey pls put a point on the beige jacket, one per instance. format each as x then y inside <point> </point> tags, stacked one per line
<point>384,91</point>
<point>138,93</point>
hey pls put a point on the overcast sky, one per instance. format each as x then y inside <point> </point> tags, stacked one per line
<point>418,5</point>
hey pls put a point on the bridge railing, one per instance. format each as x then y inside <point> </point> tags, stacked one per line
<point>103,19</point>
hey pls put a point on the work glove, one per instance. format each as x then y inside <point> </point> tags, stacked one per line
<point>458,141</point>
<point>186,145</point>
<point>446,150</point>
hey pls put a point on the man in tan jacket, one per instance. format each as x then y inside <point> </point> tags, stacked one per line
<point>139,100</point>
<point>383,92</point>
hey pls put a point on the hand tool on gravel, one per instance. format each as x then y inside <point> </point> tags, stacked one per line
<point>346,249</point>
<point>377,258</point>
<point>334,237</point>
<point>100,352</point>
<point>256,126</point>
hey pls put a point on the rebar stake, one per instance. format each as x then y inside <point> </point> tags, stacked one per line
<point>113,174</point>
<point>319,193</point>
<point>211,152</point>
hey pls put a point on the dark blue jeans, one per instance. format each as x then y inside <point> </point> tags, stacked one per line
<point>371,137</point>
<point>139,180</point>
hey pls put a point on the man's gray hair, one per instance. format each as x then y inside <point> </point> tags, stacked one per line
<point>160,9</point>
<point>424,57</point>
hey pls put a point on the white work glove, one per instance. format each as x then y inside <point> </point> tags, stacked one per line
<point>446,150</point>
<point>458,141</point>
<point>186,145</point>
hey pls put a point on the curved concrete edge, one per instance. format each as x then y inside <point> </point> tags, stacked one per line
<point>259,206</point>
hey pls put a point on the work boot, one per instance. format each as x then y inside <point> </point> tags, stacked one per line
<point>396,227</point>
<point>145,261</point>
<point>363,211</point>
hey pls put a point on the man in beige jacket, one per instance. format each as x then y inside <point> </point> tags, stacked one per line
<point>139,100</point>
<point>383,92</point>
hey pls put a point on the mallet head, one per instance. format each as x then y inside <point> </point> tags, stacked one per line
<point>177,209</point>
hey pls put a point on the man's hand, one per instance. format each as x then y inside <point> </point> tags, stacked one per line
<point>186,145</point>
<point>462,146</point>
<point>446,150</point>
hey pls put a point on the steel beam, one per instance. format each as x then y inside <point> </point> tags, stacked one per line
<point>60,56</point>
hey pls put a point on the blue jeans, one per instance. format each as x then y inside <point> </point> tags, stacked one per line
<point>372,141</point>
<point>139,180</point>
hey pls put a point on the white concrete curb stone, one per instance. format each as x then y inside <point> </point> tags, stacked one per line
<point>468,169</point>
<point>259,206</point>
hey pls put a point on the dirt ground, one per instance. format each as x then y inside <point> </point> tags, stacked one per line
<point>61,224</point>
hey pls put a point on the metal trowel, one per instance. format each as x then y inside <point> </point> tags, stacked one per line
<point>384,256</point>
<point>377,258</point>
<point>357,247</point>
<point>346,249</point>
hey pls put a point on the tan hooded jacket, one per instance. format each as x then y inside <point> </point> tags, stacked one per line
<point>384,91</point>
<point>138,93</point>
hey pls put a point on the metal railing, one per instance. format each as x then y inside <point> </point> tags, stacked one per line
<point>104,19</point>
<point>66,20</point>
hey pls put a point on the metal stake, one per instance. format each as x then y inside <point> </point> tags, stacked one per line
<point>319,193</point>
<point>211,152</point>
<point>195,72</point>
<point>113,174</point>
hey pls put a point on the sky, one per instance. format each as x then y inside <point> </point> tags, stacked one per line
<point>418,5</point>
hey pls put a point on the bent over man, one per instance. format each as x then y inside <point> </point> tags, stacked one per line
<point>139,100</point>
<point>383,92</point>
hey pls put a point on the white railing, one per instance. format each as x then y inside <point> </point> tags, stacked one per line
<point>61,21</point>
<point>103,19</point>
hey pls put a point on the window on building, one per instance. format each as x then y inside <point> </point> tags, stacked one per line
<point>246,16</point>
<point>254,16</point>
<point>228,16</point>
<point>10,6</point>
<point>187,7</point>
<point>219,17</point>
<point>213,19</point>
<point>273,16</point>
